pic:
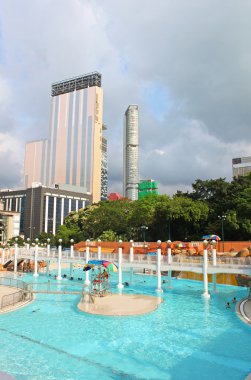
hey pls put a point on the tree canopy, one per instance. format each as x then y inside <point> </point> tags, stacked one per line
<point>185,216</point>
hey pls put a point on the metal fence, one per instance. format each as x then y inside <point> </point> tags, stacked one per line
<point>18,296</point>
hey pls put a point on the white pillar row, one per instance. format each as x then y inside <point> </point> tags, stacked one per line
<point>59,276</point>
<point>158,267</point>
<point>205,276</point>
<point>87,255</point>
<point>131,259</point>
<point>169,261</point>
<point>35,274</point>
<point>15,259</point>
<point>120,285</point>
<point>214,264</point>
<point>99,249</point>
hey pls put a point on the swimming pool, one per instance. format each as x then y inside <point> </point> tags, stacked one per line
<point>187,337</point>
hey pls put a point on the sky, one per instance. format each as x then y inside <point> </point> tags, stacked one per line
<point>186,63</point>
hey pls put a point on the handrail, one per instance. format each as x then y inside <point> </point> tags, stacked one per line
<point>13,298</point>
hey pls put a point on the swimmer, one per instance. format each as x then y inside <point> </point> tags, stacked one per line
<point>126,283</point>
<point>228,305</point>
<point>164,282</point>
<point>234,300</point>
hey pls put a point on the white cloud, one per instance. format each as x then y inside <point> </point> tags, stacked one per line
<point>185,64</point>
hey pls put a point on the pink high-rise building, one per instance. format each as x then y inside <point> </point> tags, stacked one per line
<point>75,142</point>
<point>35,162</point>
<point>72,155</point>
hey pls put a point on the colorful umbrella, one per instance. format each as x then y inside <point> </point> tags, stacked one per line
<point>107,264</point>
<point>211,237</point>
<point>87,267</point>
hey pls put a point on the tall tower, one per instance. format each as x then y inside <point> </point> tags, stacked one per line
<point>131,152</point>
<point>104,167</point>
<point>75,142</point>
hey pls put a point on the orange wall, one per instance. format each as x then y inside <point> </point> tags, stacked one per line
<point>151,246</point>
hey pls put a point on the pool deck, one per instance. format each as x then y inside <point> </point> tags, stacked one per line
<point>121,305</point>
<point>243,310</point>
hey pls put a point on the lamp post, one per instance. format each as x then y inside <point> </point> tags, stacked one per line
<point>222,218</point>
<point>144,229</point>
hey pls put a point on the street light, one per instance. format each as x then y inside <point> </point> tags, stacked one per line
<point>144,229</point>
<point>222,218</point>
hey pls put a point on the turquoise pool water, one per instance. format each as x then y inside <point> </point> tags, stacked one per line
<point>185,338</point>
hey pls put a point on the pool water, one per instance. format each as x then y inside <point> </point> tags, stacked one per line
<point>187,337</point>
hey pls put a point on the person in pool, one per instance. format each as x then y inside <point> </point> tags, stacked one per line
<point>228,305</point>
<point>234,300</point>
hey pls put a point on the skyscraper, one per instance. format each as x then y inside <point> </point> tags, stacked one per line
<point>35,162</point>
<point>104,167</point>
<point>131,152</point>
<point>75,142</point>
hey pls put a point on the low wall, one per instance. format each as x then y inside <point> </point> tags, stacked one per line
<point>143,248</point>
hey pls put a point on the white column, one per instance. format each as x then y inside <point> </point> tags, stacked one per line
<point>205,277</point>
<point>87,281</point>
<point>62,212</point>
<point>99,249</point>
<point>10,206</point>
<point>48,248</point>
<point>28,245</point>
<point>158,268</point>
<point>120,285</point>
<point>59,277</point>
<point>72,248</point>
<point>76,204</point>
<point>54,215</point>
<point>169,261</point>
<point>71,269</point>
<point>15,259</point>
<point>46,214</point>
<point>16,205</point>
<point>69,206</point>
<point>35,274</point>
<point>214,264</point>
<point>131,259</point>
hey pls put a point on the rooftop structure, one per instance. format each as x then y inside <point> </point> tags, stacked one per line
<point>76,83</point>
<point>241,166</point>
<point>146,187</point>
